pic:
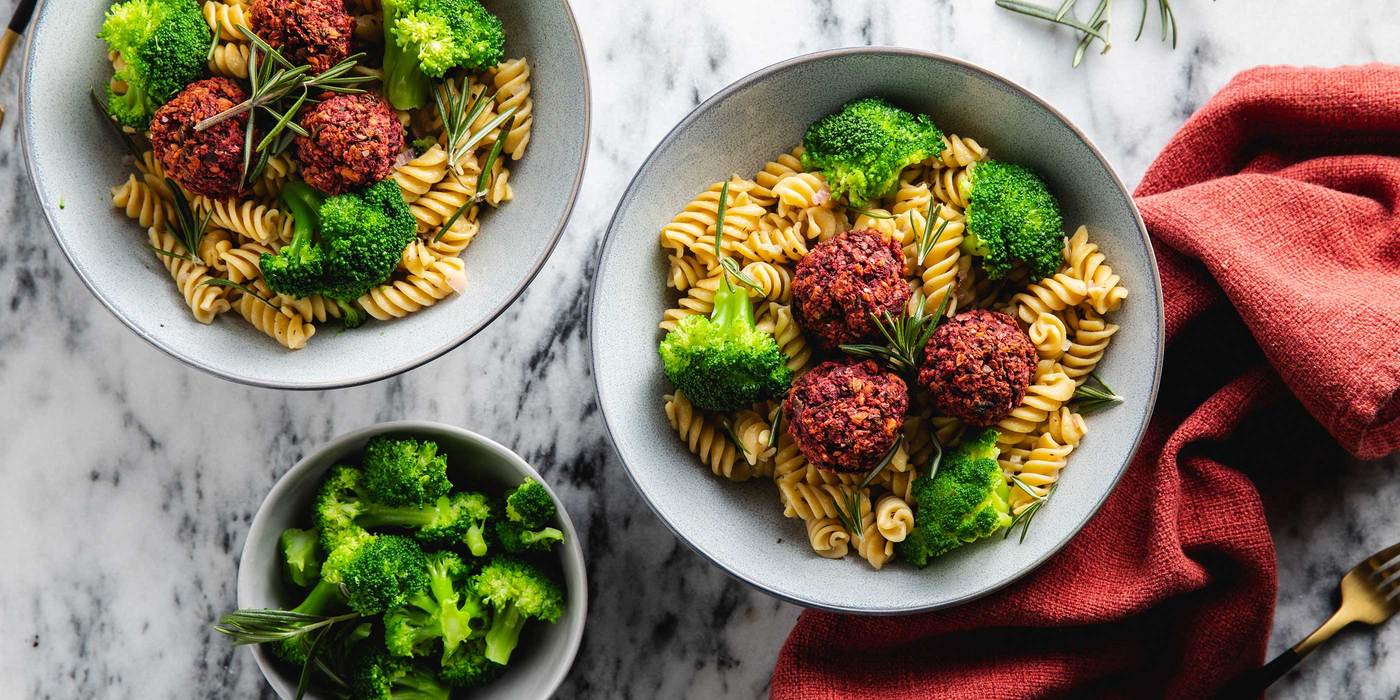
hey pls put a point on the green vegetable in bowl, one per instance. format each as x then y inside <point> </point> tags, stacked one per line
<point>376,675</point>
<point>301,555</point>
<point>964,501</point>
<point>378,573</point>
<point>423,39</point>
<point>447,612</point>
<point>342,246</point>
<point>344,504</point>
<point>529,510</point>
<point>163,45</point>
<point>724,362</point>
<point>1011,216</point>
<point>468,667</point>
<point>404,471</point>
<point>516,591</point>
<point>862,148</point>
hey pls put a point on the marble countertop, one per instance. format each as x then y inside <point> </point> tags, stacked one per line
<point>130,479</point>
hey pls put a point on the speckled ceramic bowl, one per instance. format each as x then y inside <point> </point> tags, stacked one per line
<point>546,651</point>
<point>740,527</point>
<point>74,160</point>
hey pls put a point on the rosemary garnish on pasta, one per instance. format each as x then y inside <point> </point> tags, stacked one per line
<point>775,427</point>
<point>1094,395</point>
<point>483,181</point>
<point>929,238</point>
<point>188,230</point>
<point>851,513</point>
<point>905,337</point>
<point>1027,514</point>
<point>458,110</point>
<point>222,282</point>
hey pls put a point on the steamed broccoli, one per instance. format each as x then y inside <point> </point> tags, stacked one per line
<point>375,675</point>
<point>725,362</point>
<point>377,572</point>
<point>325,597</point>
<point>423,39</point>
<point>965,501</point>
<point>529,504</point>
<point>342,246</point>
<point>862,149</point>
<point>468,667</point>
<point>516,591</point>
<point>515,537</point>
<point>163,45</point>
<point>446,612</point>
<point>404,471</point>
<point>1011,215</point>
<point>344,505</point>
<point>301,555</point>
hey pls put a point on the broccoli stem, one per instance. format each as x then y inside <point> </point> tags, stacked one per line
<point>321,599</point>
<point>304,204</point>
<point>405,83</point>
<point>549,534</point>
<point>504,634</point>
<point>376,515</point>
<point>476,540</point>
<point>350,314</point>
<point>732,306</point>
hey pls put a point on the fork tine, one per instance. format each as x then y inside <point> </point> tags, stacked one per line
<point>1383,557</point>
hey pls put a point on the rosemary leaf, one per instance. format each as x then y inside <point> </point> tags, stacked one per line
<point>221,282</point>
<point>775,427</point>
<point>732,267</point>
<point>262,625</point>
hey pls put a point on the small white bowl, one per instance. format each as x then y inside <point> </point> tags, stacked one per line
<point>546,651</point>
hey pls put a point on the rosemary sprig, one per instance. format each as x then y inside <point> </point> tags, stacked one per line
<point>929,238</point>
<point>775,427</point>
<point>730,267</point>
<point>851,513</point>
<point>262,625</point>
<point>188,229</point>
<point>935,460</point>
<point>1094,395</point>
<point>221,282</point>
<point>734,438</point>
<point>458,110</point>
<point>1027,514</point>
<point>905,337</point>
<point>1098,26</point>
<point>483,182</point>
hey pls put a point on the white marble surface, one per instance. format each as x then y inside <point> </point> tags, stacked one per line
<point>129,479</point>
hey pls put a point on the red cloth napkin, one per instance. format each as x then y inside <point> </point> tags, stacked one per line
<point>1281,196</point>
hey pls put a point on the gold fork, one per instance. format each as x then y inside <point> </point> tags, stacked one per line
<point>18,23</point>
<point>1370,594</point>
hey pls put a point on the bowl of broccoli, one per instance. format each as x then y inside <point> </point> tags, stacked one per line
<point>761,197</point>
<point>411,559</point>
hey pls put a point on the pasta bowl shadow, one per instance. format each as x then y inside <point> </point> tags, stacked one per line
<point>75,159</point>
<point>740,527</point>
<point>546,651</point>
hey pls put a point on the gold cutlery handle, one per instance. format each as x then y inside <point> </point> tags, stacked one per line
<point>7,45</point>
<point>1251,683</point>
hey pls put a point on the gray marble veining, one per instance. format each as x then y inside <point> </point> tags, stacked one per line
<point>130,479</point>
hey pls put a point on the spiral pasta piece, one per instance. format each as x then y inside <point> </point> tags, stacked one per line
<point>698,217</point>
<point>1049,336</point>
<point>705,439</point>
<point>249,219</point>
<point>141,203</point>
<point>778,321</point>
<point>417,258</point>
<point>940,275</point>
<point>872,546</point>
<point>226,18</point>
<point>512,81</point>
<point>243,263</point>
<point>958,152</point>
<point>951,185</point>
<point>685,272</point>
<point>415,292</point>
<point>828,537</point>
<point>1090,339</point>
<point>741,217</point>
<point>1086,264</point>
<point>894,518</point>
<point>1066,427</point>
<point>282,324</point>
<point>1038,469</point>
<point>879,221</point>
<point>773,172</point>
<point>206,301</point>
<point>278,171</point>
<point>753,432</point>
<point>212,246</point>
<point>1048,296</point>
<point>775,281</point>
<point>417,176</point>
<point>1044,396</point>
<point>801,191</point>
<point>823,222</point>
<point>230,60</point>
<point>313,308</point>
<point>698,300</point>
<point>441,201</point>
<point>810,501</point>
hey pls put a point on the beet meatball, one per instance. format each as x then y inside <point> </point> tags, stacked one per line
<point>845,280</point>
<point>846,415</point>
<point>208,162</point>
<point>313,32</point>
<point>353,142</point>
<point>977,366</point>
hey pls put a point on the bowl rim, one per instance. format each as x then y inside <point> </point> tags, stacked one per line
<point>757,76</point>
<point>26,136</point>
<point>573,546</point>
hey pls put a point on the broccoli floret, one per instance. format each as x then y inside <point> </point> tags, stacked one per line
<point>301,555</point>
<point>724,362</point>
<point>529,504</point>
<point>458,518</point>
<point>323,598</point>
<point>163,44</point>
<point>446,612</point>
<point>375,675</point>
<point>1011,215</point>
<point>862,148</point>
<point>515,537</point>
<point>965,501</point>
<point>404,471</point>
<point>423,39</point>
<point>468,667</point>
<point>344,508</point>
<point>377,572</point>
<point>516,592</point>
<point>342,246</point>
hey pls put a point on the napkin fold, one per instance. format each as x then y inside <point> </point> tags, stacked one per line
<point>1275,217</point>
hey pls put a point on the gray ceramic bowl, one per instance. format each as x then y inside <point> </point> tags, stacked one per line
<point>546,651</point>
<point>740,527</point>
<point>74,160</point>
